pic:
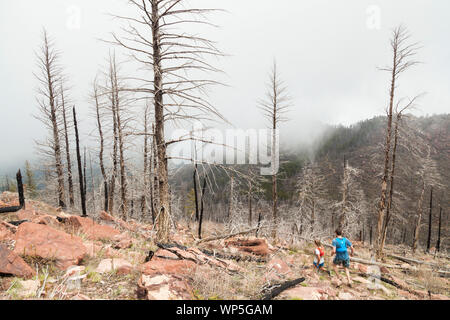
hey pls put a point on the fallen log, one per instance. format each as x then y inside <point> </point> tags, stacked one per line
<point>413,261</point>
<point>212,253</point>
<point>10,209</point>
<point>442,273</point>
<point>279,288</point>
<point>225,236</point>
<point>21,197</point>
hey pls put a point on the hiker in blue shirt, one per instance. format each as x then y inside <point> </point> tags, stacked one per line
<point>340,248</point>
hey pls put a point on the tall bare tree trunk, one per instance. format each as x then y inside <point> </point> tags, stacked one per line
<point>49,69</point>
<point>200,220</point>
<point>146,166</point>
<point>93,183</point>
<point>163,214</point>
<point>438,243</point>
<point>344,196</point>
<point>112,184</point>
<point>391,185</point>
<point>419,219</point>
<point>402,55</point>
<point>69,164</point>
<point>102,147</point>
<point>250,213</point>
<point>123,174</point>
<point>430,220</point>
<point>196,193</point>
<point>80,170</point>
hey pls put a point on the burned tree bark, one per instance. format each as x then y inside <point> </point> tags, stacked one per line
<point>80,170</point>
<point>438,243</point>
<point>21,196</point>
<point>49,75</point>
<point>172,54</point>
<point>102,146</point>
<point>430,220</point>
<point>196,193</point>
<point>274,107</point>
<point>402,60</point>
<point>202,202</point>
<point>419,219</point>
<point>69,163</point>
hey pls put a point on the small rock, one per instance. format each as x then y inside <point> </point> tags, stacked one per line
<point>164,266</point>
<point>304,293</point>
<point>80,296</point>
<point>12,264</point>
<point>121,266</point>
<point>74,270</point>
<point>28,288</point>
<point>345,296</point>
<point>163,287</point>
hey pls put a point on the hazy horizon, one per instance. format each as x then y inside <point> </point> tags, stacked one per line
<point>328,54</point>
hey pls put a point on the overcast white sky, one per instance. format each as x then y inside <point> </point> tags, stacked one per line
<point>328,52</point>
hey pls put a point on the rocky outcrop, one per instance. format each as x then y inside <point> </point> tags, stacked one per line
<point>91,229</point>
<point>253,246</point>
<point>37,240</point>
<point>12,264</point>
<point>163,287</point>
<point>168,267</point>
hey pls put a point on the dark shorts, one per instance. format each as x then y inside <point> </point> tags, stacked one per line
<point>319,266</point>
<point>343,260</point>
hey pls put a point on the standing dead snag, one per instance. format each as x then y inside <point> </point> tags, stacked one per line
<point>102,144</point>
<point>66,136</point>
<point>21,196</point>
<point>438,243</point>
<point>274,106</point>
<point>49,76</point>
<point>403,54</point>
<point>202,203</point>
<point>177,94</point>
<point>80,170</point>
<point>430,220</point>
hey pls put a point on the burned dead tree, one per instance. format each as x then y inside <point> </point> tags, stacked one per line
<point>21,196</point>
<point>153,39</point>
<point>80,169</point>
<point>202,202</point>
<point>438,243</point>
<point>274,108</point>
<point>430,220</point>
<point>403,59</point>
<point>96,97</point>
<point>49,75</point>
<point>68,159</point>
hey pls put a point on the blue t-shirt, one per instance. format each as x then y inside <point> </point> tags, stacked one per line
<point>341,245</point>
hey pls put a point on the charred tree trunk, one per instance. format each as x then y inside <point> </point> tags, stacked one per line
<point>112,184</point>
<point>250,213</point>
<point>69,163</point>
<point>200,220</point>
<point>80,170</point>
<point>430,221</point>
<point>196,193</point>
<point>21,196</point>
<point>438,243</point>
<point>146,166</point>
<point>50,71</point>
<point>403,55</point>
<point>391,186</point>
<point>419,219</point>
<point>102,147</point>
